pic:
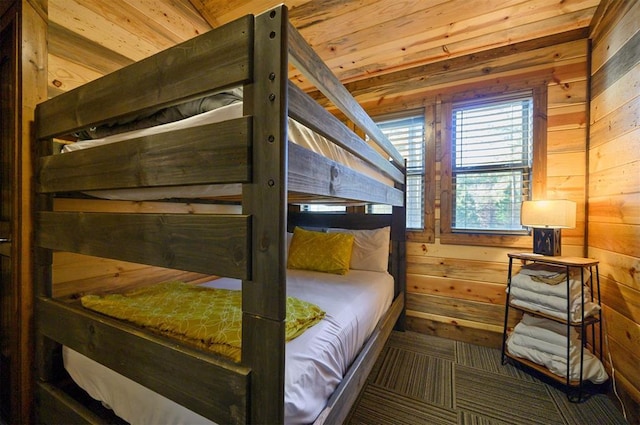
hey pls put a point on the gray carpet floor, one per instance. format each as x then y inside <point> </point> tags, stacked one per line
<point>422,379</point>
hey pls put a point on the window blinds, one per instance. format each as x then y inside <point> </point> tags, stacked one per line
<point>492,158</point>
<point>406,133</point>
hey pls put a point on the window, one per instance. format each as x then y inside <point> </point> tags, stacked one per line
<point>491,147</point>
<point>323,208</point>
<point>493,150</point>
<point>406,133</point>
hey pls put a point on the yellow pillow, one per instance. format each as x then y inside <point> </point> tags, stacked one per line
<point>323,252</point>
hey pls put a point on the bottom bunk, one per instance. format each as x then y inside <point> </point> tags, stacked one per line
<point>144,377</point>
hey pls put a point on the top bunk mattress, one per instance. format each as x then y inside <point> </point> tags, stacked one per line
<point>316,361</point>
<point>297,133</point>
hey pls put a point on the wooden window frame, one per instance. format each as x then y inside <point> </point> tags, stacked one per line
<point>431,122</point>
<point>410,113</point>
<point>539,171</point>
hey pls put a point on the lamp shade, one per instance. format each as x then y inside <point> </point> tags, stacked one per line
<point>549,213</point>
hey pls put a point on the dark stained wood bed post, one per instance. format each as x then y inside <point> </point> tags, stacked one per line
<point>265,200</point>
<point>399,249</point>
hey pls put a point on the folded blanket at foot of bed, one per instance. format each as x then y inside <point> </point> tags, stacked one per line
<point>208,318</point>
<point>544,342</point>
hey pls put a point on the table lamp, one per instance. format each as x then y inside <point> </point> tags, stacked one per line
<point>547,217</point>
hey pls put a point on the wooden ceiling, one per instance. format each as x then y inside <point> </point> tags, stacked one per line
<point>358,39</point>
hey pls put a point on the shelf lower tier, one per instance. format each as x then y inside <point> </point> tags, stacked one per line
<point>543,370</point>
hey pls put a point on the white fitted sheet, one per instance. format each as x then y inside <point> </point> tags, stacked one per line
<point>297,133</point>
<point>316,361</point>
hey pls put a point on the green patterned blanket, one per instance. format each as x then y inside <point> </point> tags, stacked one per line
<point>206,317</point>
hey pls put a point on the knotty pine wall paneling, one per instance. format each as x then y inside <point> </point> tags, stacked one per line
<point>456,290</point>
<point>614,189</point>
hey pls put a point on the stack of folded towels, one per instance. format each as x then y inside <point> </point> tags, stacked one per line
<point>543,287</point>
<point>544,342</point>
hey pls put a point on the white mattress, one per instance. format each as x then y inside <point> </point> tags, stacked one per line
<point>316,361</point>
<point>297,133</point>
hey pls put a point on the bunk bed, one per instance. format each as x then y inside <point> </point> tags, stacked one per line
<point>253,152</point>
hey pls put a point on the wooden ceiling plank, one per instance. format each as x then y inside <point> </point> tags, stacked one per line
<point>85,52</point>
<point>66,75</point>
<point>220,12</point>
<point>385,58</point>
<point>133,21</point>
<point>313,13</point>
<point>357,39</point>
<point>324,22</point>
<point>478,44</point>
<point>451,25</point>
<point>178,18</point>
<point>501,60</point>
<point>98,28</point>
<point>428,24</point>
<point>205,12</point>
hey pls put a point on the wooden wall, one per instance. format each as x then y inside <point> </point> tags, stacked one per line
<point>614,187</point>
<point>458,291</point>
<point>593,158</point>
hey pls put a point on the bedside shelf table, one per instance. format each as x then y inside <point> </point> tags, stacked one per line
<point>581,323</point>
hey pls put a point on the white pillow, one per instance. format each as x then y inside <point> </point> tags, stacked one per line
<point>370,248</point>
<point>289,237</point>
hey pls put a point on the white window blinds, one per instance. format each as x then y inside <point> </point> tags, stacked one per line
<point>492,158</point>
<point>406,133</point>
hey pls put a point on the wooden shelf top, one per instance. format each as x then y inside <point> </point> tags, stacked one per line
<point>559,260</point>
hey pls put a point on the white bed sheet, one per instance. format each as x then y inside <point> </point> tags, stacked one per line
<point>297,133</point>
<point>316,361</point>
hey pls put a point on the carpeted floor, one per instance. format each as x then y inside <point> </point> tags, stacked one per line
<point>422,379</point>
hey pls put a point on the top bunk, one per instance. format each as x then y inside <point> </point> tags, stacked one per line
<point>331,162</point>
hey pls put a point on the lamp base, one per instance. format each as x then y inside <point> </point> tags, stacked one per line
<point>546,241</point>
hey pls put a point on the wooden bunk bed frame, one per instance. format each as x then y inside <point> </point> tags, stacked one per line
<point>253,150</point>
